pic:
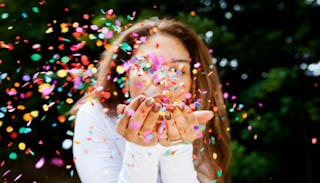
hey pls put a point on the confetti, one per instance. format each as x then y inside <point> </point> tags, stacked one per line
<point>67,144</point>
<point>40,163</point>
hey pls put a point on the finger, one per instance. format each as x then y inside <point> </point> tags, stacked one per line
<point>189,115</point>
<point>203,116</point>
<point>152,118</point>
<point>138,118</point>
<point>148,129</point>
<point>122,122</point>
<point>162,133</point>
<point>131,108</point>
<point>173,132</point>
<point>121,108</point>
<point>194,123</point>
<point>181,122</point>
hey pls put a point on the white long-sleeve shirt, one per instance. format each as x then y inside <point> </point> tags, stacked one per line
<point>103,156</point>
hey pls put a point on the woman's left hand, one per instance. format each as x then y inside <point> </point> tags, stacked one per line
<point>182,125</point>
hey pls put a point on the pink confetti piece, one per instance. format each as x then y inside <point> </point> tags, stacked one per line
<point>135,125</point>
<point>5,173</point>
<point>17,178</point>
<point>40,163</point>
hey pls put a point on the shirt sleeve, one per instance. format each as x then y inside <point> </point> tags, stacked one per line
<point>140,164</point>
<point>96,155</point>
<point>176,164</point>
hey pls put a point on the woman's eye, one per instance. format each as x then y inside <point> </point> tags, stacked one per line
<point>177,71</point>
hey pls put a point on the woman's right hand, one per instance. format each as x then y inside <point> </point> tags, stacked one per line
<point>138,122</point>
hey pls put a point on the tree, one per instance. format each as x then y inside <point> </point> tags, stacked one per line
<point>266,52</point>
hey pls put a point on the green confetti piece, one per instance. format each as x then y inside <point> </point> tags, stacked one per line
<point>32,153</point>
<point>65,59</point>
<point>52,60</point>
<point>219,173</point>
<point>4,15</point>
<point>35,57</point>
<point>213,140</point>
<point>202,127</point>
<point>13,155</point>
<point>167,153</point>
<point>22,130</point>
<point>71,118</point>
<point>126,47</point>
<point>35,9</point>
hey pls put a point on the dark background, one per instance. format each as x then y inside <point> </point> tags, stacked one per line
<point>267,52</point>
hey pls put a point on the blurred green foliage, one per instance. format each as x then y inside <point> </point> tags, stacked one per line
<point>267,53</point>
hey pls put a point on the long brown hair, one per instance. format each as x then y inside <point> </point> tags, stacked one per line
<point>212,152</point>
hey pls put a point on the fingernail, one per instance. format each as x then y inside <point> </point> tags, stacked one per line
<point>181,108</point>
<point>156,107</point>
<point>141,99</point>
<point>149,102</point>
<point>168,115</point>
<point>160,118</point>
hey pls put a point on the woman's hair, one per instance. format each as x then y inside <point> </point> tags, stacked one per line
<point>212,152</point>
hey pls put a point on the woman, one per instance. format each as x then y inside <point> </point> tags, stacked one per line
<point>150,117</point>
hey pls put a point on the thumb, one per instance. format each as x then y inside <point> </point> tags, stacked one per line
<point>203,116</point>
<point>121,108</point>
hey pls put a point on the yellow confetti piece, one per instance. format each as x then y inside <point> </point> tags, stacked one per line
<point>27,117</point>
<point>43,87</point>
<point>255,137</point>
<point>10,27</point>
<point>62,73</point>
<point>77,142</point>
<point>64,28</point>
<point>99,43</point>
<point>94,69</point>
<point>45,107</point>
<point>16,84</point>
<point>91,36</point>
<point>167,93</point>
<point>21,107</point>
<point>22,146</point>
<point>75,24</point>
<point>244,115</point>
<point>1,122</point>
<point>162,113</point>
<point>194,71</point>
<point>115,93</point>
<point>69,100</point>
<point>214,155</point>
<point>107,46</point>
<point>34,114</point>
<point>91,67</point>
<point>120,69</point>
<point>49,30</point>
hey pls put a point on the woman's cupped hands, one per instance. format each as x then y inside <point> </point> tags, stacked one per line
<point>144,123</point>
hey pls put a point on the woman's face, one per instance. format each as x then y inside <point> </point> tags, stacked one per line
<point>161,69</point>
